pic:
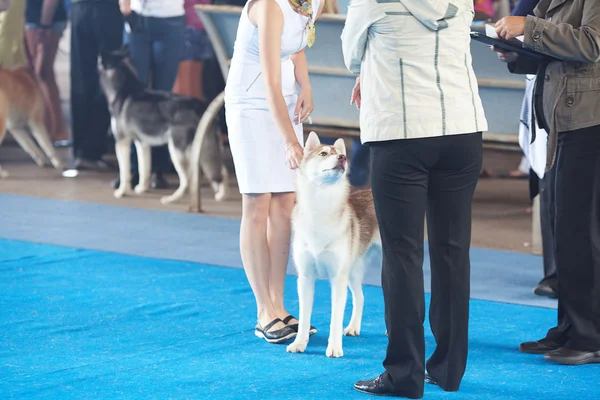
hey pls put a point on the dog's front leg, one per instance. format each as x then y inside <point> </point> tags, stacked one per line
<point>306,295</point>
<point>123,150</point>
<point>339,294</point>
<point>144,155</point>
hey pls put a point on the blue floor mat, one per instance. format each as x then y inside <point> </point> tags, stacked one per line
<point>496,275</point>
<point>81,324</point>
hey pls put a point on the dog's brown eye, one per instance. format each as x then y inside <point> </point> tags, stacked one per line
<point>323,153</point>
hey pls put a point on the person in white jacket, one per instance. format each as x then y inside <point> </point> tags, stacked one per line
<point>422,117</point>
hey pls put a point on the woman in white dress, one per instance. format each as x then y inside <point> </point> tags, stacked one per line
<point>264,114</point>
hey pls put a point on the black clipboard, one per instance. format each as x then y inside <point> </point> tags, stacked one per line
<point>516,47</point>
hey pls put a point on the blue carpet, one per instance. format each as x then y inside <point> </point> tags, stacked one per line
<point>496,275</point>
<point>82,324</point>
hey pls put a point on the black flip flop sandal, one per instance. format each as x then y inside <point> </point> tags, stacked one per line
<point>287,319</point>
<point>279,336</point>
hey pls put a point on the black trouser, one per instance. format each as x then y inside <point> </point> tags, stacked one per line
<point>547,185</point>
<point>577,240</point>
<point>412,177</point>
<point>95,27</point>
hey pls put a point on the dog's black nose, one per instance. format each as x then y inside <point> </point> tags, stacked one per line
<point>341,157</point>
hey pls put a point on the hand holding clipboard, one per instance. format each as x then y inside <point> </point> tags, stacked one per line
<point>512,42</point>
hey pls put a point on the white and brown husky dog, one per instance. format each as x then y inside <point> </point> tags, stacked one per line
<point>333,230</point>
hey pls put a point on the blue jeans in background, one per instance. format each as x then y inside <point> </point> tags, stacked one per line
<point>156,51</point>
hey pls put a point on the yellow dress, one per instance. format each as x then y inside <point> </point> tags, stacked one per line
<point>12,25</point>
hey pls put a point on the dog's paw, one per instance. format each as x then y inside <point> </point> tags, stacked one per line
<point>296,347</point>
<point>139,189</point>
<point>352,331</point>
<point>120,192</point>
<point>334,351</point>
<point>167,200</point>
<point>221,193</point>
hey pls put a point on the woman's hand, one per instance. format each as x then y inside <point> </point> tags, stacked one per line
<point>305,105</point>
<point>510,27</point>
<point>125,6</point>
<point>294,154</point>
<point>505,56</point>
<point>355,99</point>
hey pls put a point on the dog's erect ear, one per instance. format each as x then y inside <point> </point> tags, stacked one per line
<point>312,142</point>
<point>340,146</point>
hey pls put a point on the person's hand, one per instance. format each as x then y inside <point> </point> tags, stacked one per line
<point>355,99</point>
<point>304,107</point>
<point>510,27</point>
<point>125,6</point>
<point>505,56</point>
<point>294,154</point>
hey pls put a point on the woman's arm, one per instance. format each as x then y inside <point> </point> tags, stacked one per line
<point>125,6</point>
<point>305,104</point>
<point>301,69</point>
<point>268,18</point>
<point>48,10</point>
<point>561,41</point>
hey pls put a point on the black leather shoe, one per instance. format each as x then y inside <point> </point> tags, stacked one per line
<point>279,336</point>
<point>377,387</point>
<point>430,379</point>
<point>545,290</point>
<point>573,357</point>
<point>287,319</point>
<point>540,347</point>
<point>380,387</point>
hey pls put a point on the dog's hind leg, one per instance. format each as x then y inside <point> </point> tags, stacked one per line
<point>179,162</point>
<point>123,150</point>
<point>39,132</point>
<point>339,295</point>
<point>358,302</point>
<point>144,155</point>
<point>26,142</point>
<point>221,188</point>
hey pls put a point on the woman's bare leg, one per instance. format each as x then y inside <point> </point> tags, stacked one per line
<point>278,236</point>
<point>255,254</point>
<point>44,56</point>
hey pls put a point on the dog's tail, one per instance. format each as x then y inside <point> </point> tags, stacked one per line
<point>203,127</point>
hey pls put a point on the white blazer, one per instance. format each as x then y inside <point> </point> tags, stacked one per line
<point>414,60</point>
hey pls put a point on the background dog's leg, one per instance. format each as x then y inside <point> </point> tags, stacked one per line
<point>221,188</point>
<point>39,132</point>
<point>123,150</point>
<point>179,162</point>
<point>24,140</point>
<point>358,302</point>
<point>144,155</point>
<point>306,295</point>
<point>339,295</point>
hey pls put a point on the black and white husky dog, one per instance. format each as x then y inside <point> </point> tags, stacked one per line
<point>154,118</point>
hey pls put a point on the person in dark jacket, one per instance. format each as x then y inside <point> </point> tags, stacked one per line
<point>566,106</point>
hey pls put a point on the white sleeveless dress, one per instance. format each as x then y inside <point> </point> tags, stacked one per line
<point>257,145</point>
